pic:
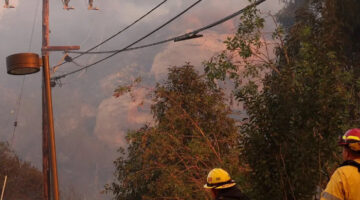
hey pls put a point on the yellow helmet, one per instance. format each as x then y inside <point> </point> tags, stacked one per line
<point>219,179</point>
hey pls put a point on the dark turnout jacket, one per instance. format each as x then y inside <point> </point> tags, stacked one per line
<point>232,193</point>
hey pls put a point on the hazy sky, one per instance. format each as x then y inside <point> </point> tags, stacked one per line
<point>89,123</point>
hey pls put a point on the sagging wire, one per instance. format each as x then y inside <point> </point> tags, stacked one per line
<point>122,30</point>
<point>65,59</point>
<point>186,36</point>
<point>18,103</point>
<point>190,35</point>
<point>133,43</point>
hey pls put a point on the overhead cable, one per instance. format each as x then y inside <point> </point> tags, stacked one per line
<point>17,111</point>
<point>118,33</point>
<point>34,22</point>
<point>19,100</point>
<point>177,38</point>
<point>130,45</point>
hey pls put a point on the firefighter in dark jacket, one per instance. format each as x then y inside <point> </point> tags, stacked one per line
<point>222,186</point>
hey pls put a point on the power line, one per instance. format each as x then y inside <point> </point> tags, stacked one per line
<point>118,33</point>
<point>18,103</point>
<point>130,45</point>
<point>121,31</point>
<point>177,38</point>
<point>128,49</point>
<point>34,22</point>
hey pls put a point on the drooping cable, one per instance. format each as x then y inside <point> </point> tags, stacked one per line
<point>177,37</point>
<point>119,32</point>
<point>130,45</point>
<point>128,49</point>
<point>17,111</point>
<point>34,22</point>
<point>19,100</point>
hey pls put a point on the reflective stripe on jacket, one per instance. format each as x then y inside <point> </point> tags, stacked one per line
<point>344,184</point>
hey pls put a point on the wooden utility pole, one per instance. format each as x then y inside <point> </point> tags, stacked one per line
<point>45,148</point>
<point>48,121</point>
<point>29,63</point>
<point>47,110</point>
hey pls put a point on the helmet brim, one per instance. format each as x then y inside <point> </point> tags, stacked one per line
<point>226,186</point>
<point>220,187</point>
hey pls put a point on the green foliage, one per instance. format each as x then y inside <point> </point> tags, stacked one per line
<point>298,103</point>
<point>24,181</point>
<point>192,134</point>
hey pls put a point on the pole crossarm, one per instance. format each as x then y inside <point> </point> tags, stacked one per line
<point>60,48</point>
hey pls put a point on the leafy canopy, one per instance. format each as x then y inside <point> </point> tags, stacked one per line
<point>192,134</point>
<point>298,101</point>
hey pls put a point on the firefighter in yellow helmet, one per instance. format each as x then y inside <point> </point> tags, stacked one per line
<point>222,186</point>
<point>345,182</point>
